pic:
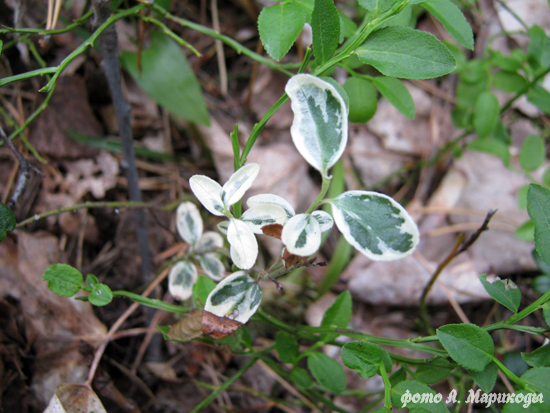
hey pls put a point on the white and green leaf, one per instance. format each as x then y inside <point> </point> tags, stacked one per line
<point>237,297</point>
<point>302,235</point>
<point>244,247</point>
<point>189,222</point>
<point>234,189</point>
<point>324,219</point>
<point>181,279</point>
<point>209,241</point>
<point>262,215</point>
<point>208,192</point>
<point>212,266</point>
<point>222,226</point>
<point>375,224</point>
<point>271,199</point>
<point>320,127</point>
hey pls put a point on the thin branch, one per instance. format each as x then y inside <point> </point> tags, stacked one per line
<point>26,168</point>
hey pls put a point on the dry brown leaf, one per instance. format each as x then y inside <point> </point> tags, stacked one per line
<point>74,398</point>
<point>188,328</point>
<point>273,230</point>
<point>218,327</point>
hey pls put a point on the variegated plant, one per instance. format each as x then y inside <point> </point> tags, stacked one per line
<point>202,247</point>
<point>376,225</point>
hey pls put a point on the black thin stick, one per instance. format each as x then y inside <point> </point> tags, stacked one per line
<point>108,45</point>
<point>26,168</point>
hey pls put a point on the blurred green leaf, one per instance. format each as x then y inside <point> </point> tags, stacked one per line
<point>526,231</point>
<point>327,372</point>
<point>486,113</point>
<point>538,207</point>
<point>509,82</point>
<point>493,146</point>
<point>540,97</point>
<point>397,94</point>
<point>167,77</point>
<point>363,99</point>
<point>7,221</point>
<point>532,153</point>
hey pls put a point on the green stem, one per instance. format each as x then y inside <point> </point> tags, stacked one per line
<point>387,386</point>
<point>529,309</point>
<point>169,33</point>
<point>86,205</point>
<point>509,374</point>
<point>324,188</point>
<point>43,32</point>
<point>151,302</point>
<point>239,48</point>
<point>89,41</point>
<point>28,75</point>
<point>523,91</point>
<point>225,385</point>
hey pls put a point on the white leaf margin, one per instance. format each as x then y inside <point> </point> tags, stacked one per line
<point>298,225</point>
<point>266,214</point>
<point>271,199</point>
<point>244,247</point>
<point>212,266</point>
<point>242,306</point>
<point>408,226</point>
<point>181,291</point>
<point>208,192</point>
<point>209,241</point>
<point>325,220</point>
<point>238,183</point>
<point>188,212</point>
<point>313,154</point>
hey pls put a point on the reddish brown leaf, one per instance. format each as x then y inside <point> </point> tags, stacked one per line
<point>218,327</point>
<point>273,230</point>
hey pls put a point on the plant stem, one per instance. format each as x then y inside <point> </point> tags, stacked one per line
<point>324,188</point>
<point>509,374</point>
<point>152,302</point>
<point>77,22</point>
<point>86,205</point>
<point>210,398</point>
<point>28,75</point>
<point>387,386</point>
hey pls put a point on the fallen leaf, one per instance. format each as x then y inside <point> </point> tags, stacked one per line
<point>188,328</point>
<point>218,327</point>
<point>74,398</point>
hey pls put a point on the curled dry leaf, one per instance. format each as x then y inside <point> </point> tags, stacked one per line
<point>188,328</point>
<point>218,327</point>
<point>273,230</point>
<point>74,398</point>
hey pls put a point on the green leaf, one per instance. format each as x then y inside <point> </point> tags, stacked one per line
<point>543,266</point>
<point>376,7</point>
<point>430,401</point>
<point>539,48</point>
<point>363,99</point>
<point>287,347</point>
<point>301,377</point>
<point>546,312</point>
<point>167,77</point>
<point>406,53</point>
<point>365,358</point>
<point>337,315</point>
<point>279,27</point>
<point>325,27</point>
<point>505,292</point>
<point>450,16</point>
<point>538,207</point>
<point>327,372</point>
<point>538,358</point>
<point>63,279</point>
<point>201,289</point>
<point>398,376</point>
<point>546,177</point>
<point>487,378</point>
<point>540,97</point>
<point>526,231</point>
<point>541,284</point>
<point>532,153</point>
<point>434,371</point>
<point>319,129</point>
<point>397,94</point>
<point>467,344</point>
<point>7,221</point>
<point>375,225</point>
<point>486,113</point>
<point>1,46</point>
<point>538,378</point>
<point>510,63</point>
<point>92,281</point>
<point>101,295</point>
<point>492,146</point>
<point>509,82</point>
